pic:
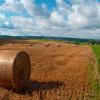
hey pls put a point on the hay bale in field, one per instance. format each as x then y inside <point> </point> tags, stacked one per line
<point>30,44</point>
<point>77,45</point>
<point>15,69</point>
<point>13,44</point>
<point>59,45</point>
<point>1,44</point>
<point>24,44</point>
<point>47,45</point>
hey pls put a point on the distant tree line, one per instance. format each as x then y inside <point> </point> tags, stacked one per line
<point>94,42</point>
<point>89,42</point>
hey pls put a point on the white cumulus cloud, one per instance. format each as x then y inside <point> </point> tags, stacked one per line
<point>79,19</point>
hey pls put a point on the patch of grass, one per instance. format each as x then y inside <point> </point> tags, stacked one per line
<point>96,50</point>
<point>94,83</point>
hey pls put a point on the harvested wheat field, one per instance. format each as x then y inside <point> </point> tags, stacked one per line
<point>58,72</point>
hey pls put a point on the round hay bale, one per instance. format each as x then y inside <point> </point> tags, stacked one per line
<point>30,44</point>
<point>59,45</point>
<point>47,45</point>
<point>76,45</point>
<point>15,69</point>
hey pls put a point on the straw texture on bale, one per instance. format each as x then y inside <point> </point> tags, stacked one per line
<point>15,69</point>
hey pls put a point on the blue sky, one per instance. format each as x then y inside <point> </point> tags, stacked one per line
<point>68,18</point>
<point>49,3</point>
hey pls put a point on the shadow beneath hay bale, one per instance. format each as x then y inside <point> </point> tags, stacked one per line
<point>35,85</point>
<point>43,86</point>
<point>39,87</point>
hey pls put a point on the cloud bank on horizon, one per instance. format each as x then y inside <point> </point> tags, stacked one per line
<point>66,18</point>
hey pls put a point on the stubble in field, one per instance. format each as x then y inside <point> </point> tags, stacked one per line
<point>58,73</point>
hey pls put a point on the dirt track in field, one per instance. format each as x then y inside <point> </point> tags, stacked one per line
<point>58,73</point>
